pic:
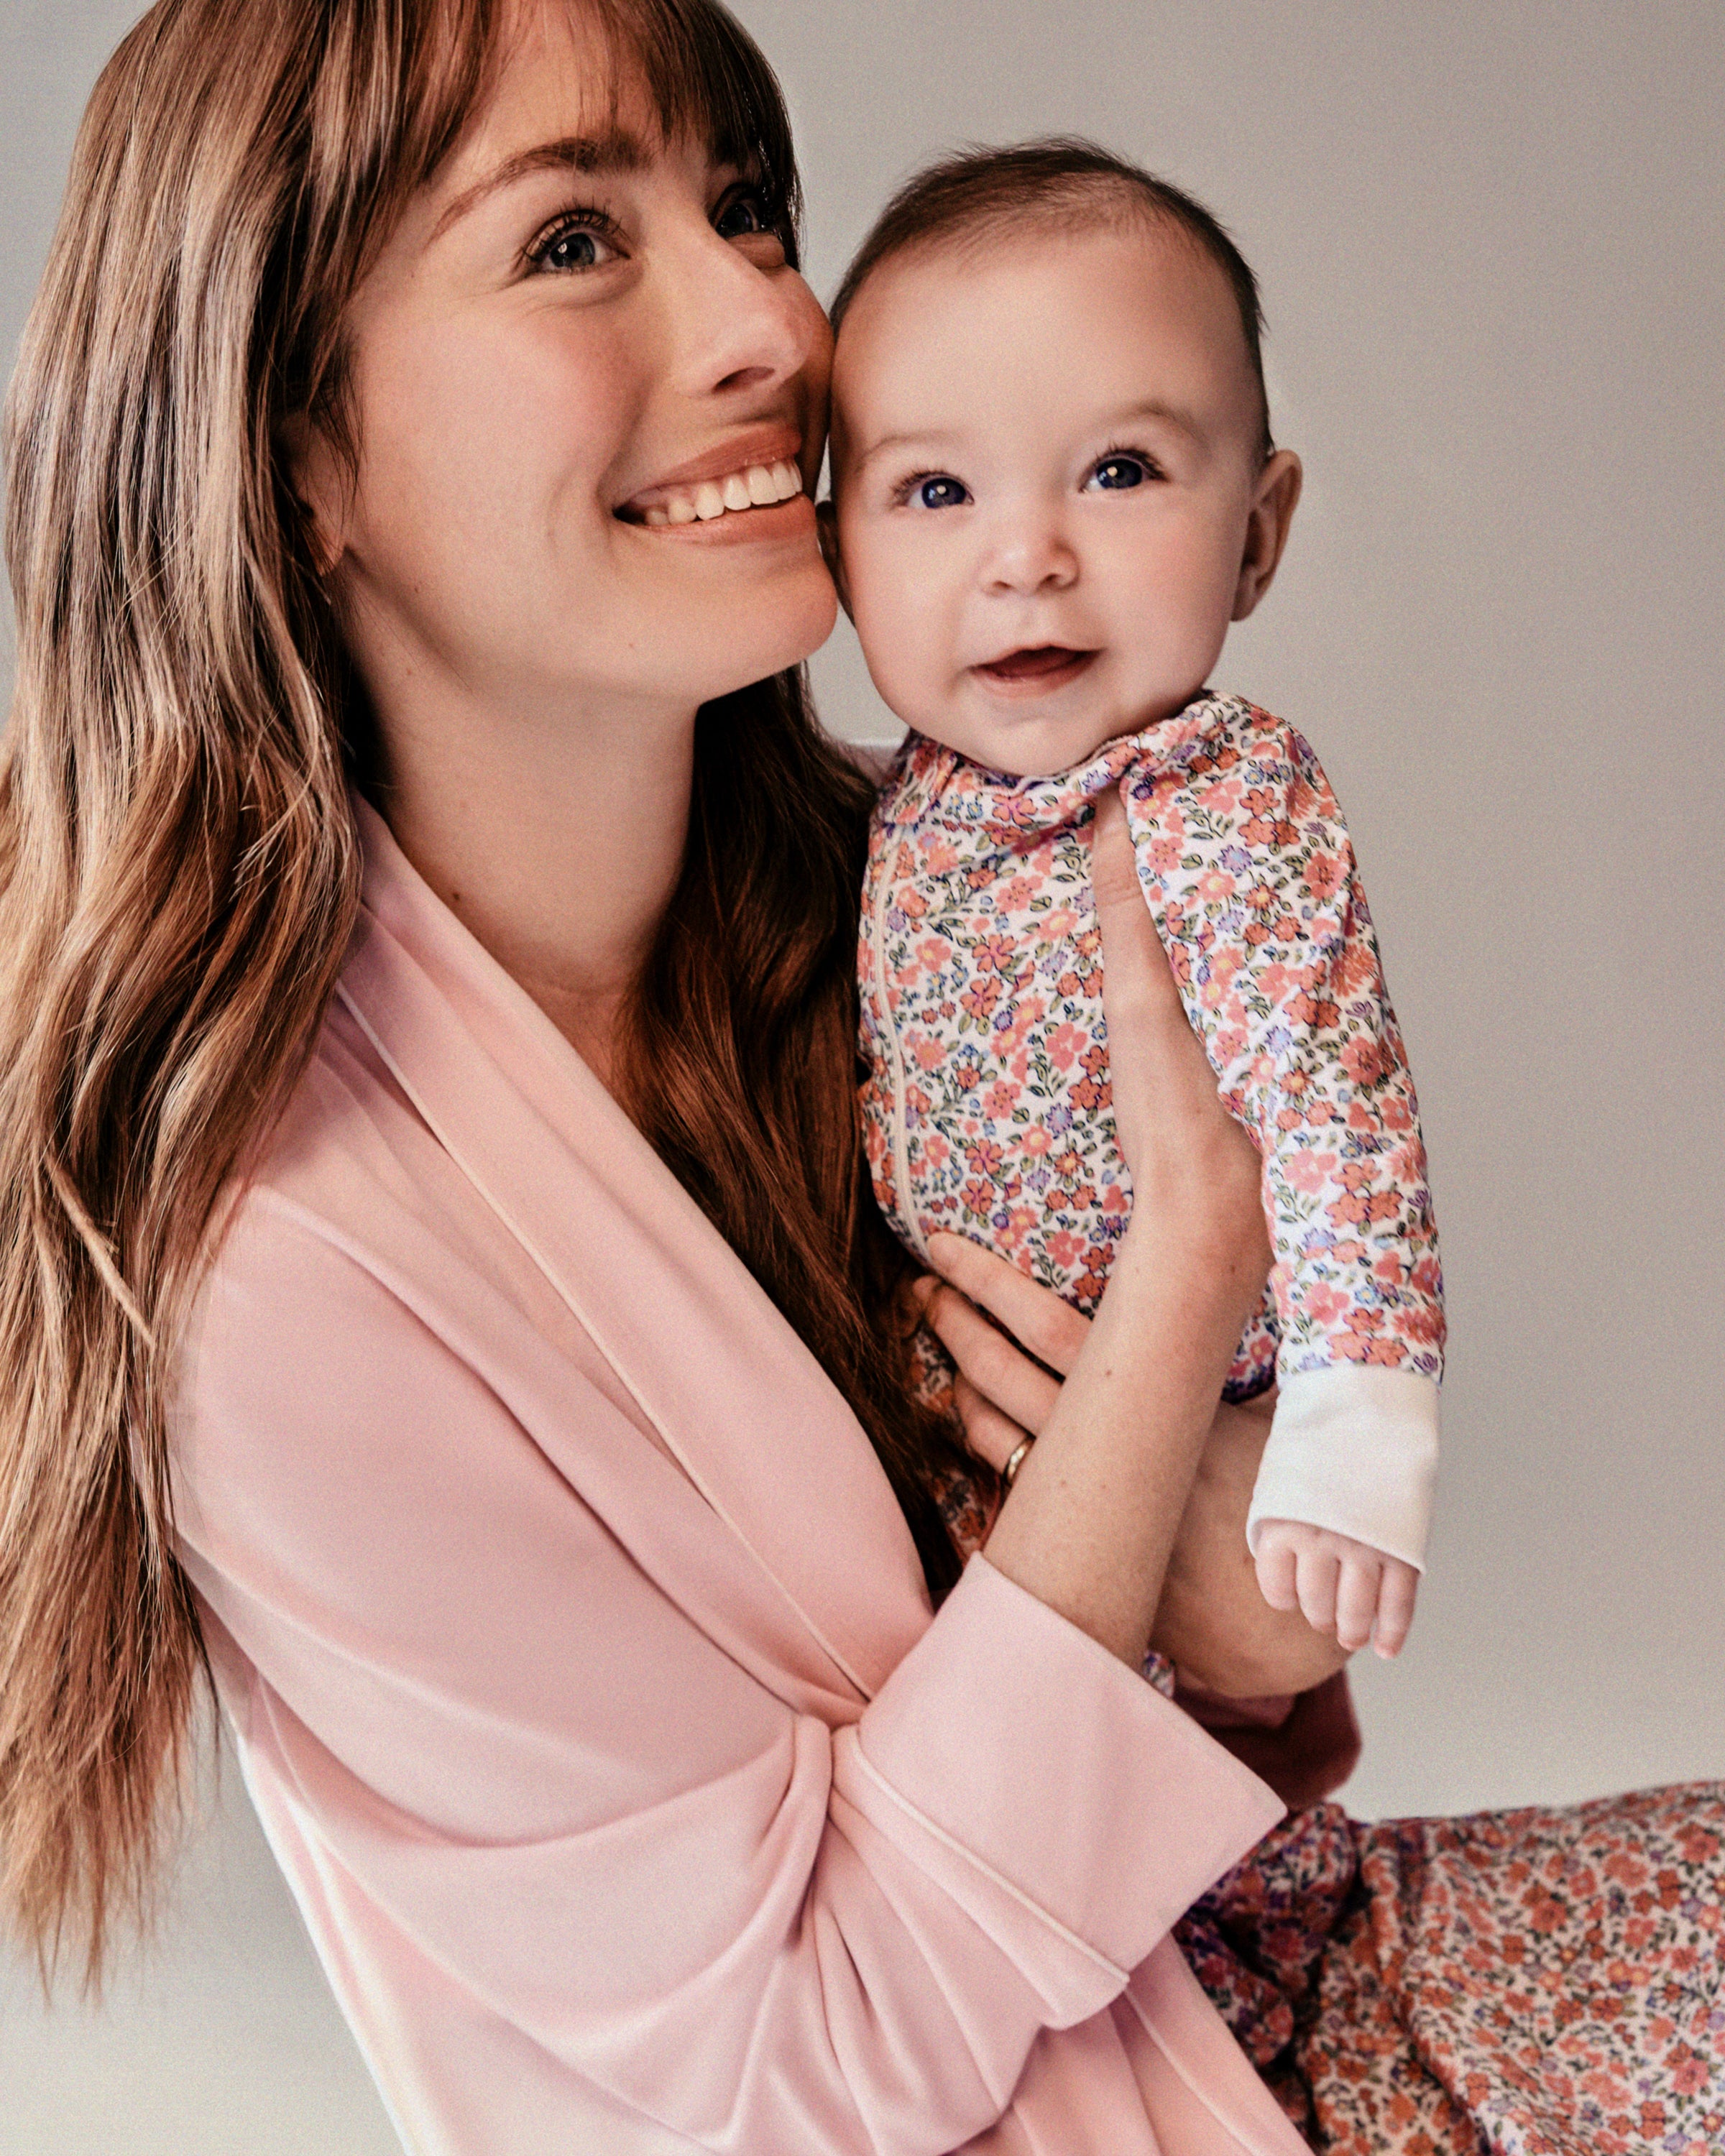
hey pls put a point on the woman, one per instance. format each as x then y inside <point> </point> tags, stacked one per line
<point>580,1655</point>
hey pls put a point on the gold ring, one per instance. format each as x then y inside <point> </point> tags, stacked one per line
<point>1015,1460</point>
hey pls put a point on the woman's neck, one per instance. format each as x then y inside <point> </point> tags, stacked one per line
<point>557,843</point>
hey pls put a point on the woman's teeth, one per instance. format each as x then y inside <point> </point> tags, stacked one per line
<point>757,487</point>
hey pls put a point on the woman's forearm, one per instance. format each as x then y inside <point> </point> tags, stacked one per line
<point>1092,1518</point>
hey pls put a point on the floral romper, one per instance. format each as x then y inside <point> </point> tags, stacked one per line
<point>1535,1982</point>
<point>987,1102</point>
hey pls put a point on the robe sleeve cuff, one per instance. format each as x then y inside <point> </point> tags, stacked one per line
<point>1074,1808</point>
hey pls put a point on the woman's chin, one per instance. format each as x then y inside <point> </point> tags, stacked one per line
<point>777,624</point>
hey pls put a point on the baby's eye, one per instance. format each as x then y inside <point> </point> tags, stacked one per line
<point>939,491</point>
<point>1117,470</point>
<point>575,244</point>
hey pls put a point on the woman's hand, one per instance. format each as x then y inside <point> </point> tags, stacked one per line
<point>1196,1174</point>
<point>1212,1620</point>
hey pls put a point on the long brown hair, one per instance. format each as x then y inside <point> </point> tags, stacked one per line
<point>178,862</point>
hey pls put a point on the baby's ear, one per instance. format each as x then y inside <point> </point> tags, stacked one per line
<point>1274,499</point>
<point>826,525</point>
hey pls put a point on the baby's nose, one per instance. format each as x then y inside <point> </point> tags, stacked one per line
<point>1029,552</point>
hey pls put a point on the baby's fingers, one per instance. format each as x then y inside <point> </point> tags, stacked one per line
<point>1395,1606</point>
<point>1356,1599</point>
<point>1278,1574</point>
<point>1319,1573</point>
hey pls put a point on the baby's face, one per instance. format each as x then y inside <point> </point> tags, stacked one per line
<point>1049,495</point>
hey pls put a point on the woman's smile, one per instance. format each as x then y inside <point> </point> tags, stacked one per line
<point>749,488</point>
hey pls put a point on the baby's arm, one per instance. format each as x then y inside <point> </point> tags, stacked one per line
<point>1248,867</point>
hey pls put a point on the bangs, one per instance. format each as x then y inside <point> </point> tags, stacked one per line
<point>708,80</point>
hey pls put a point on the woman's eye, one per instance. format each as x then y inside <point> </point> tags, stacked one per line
<point>743,214</point>
<point>939,491</point>
<point>573,246</point>
<point>1114,472</point>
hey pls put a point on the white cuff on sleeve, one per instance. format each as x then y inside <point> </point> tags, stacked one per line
<point>1353,1448</point>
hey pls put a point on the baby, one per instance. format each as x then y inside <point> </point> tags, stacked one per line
<point>1054,486</point>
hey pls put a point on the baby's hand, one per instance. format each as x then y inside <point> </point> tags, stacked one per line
<point>1338,1585</point>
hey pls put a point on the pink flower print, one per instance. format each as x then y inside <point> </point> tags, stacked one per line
<point>1114,1200</point>
<point>1421,1324</point>
<point>1362,1060</point>
<point>1034,1143</point>
<point>1308,1009</point>
<point>1092,1091</point>
<point>1324,876</point>
<point>1063,1246</point>
<point>980,997</point>
<point>1395,1114</point>
<point>1000,1100</point>
<point>1065,1044</point>
<point>1214,885</point>
<point>1231,1043</point>
<point>1352,968</point>
<point>1326,1304</point>
<point>1164,856</point>
<point>930,1054</point>
<point>933,952</point>
<point>1308,1172</point>
<point>994,954</point>
<point>936,1152</point>
<point>984,1157</point>
<point>978,1199</point>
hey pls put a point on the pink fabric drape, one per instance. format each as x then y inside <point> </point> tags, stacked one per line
<point>581,1669</point>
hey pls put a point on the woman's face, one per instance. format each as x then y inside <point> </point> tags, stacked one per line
<point>575,327</point>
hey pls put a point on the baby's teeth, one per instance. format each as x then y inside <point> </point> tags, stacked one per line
<point>681,509</point>
<point>736,492</point>
<point>709,502</point>
<point>657,517</point>
<point>762,486</point>
<point>787,480</point>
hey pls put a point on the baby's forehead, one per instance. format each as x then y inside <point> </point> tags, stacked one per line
<point>1080,287</point>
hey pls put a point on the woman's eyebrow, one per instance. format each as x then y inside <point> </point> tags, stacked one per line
<point>614,152</point>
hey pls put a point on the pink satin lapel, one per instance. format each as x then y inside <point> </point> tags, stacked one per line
<point>739,1400</point>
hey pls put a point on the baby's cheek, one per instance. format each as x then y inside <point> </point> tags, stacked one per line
<point>909,650</point>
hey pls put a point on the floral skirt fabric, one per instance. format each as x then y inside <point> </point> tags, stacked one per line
<point>1537,1982</point>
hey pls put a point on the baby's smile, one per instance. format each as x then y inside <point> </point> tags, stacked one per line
<point>1033,670</point>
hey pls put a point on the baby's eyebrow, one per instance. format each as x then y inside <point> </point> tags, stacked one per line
<point>919,438</point>
<point>1158,409</point>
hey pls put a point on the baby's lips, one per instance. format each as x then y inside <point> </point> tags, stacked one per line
<point>1034,662</point>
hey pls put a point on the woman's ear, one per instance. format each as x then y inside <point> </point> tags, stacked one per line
<point>826,525</point>
<point>1274,498</point>
<point>320,485</point>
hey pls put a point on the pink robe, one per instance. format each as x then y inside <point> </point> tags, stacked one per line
<point>581,1669</point>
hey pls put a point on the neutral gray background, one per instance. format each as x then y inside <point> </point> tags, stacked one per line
<point>1489,236</point>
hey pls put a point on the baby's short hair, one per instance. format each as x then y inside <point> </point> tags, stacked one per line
<point>1062,182</point>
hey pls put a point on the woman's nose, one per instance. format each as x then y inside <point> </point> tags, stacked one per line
<point>1028,552</point>
<point>743,327</point>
